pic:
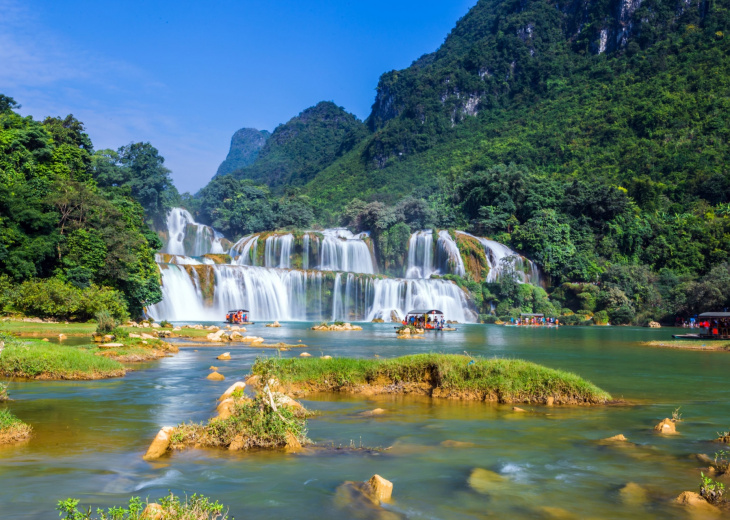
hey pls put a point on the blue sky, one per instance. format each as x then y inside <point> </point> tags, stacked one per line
<point>185,75</point>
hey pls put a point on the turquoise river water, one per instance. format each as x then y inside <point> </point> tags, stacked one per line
<point>90,436</point>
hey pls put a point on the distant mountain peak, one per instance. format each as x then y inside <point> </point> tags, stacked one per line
<point>246,144</point>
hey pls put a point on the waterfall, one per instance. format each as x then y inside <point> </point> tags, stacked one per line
<point>244,251</point>
<point>497,254</point>
<point>202,241</point>
<point>206,292</point>
<point>343,251</point>
<point>420,255</point>
<point>448,257</point>
<point>277,252</point>
<point>305,252</point>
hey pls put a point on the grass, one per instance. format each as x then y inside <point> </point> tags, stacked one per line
<point>43,360</point>
<point>12,429</point>
<point>252,421</point>
<point>503,380</point>
<point>41,330</point>
<point>171,507</point>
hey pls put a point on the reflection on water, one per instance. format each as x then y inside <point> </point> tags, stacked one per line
<point>90,436</point>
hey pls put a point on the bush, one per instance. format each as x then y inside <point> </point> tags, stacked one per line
<point>600,318</point>
<point>105,322</point>
<point>165,324</point>
<point>623,315</point>
<point>53,298</point>
<point>487,318</point>
<point>196,507</point>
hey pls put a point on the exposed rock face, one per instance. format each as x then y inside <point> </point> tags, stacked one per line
<point>246,144</point>
<point>695,502</point>
<point>667,427</point>
<point>160,444</point>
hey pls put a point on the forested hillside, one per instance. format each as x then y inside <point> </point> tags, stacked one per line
<point>74,233</point>
<point>246,144</point>
<point>303,146</point>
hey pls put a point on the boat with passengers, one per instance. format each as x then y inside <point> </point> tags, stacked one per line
<point>713,325</point>
<point>427,319</point>
<point>238,317</point>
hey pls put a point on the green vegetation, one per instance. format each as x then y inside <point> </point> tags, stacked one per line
<point>12,429</point>
<point>500,380</point>
<point>246,144</point>
<point>712,490</point>
<point>42,360</point>
<point>36,329</point>
<point>253,423</point>
<point>70,224</point>
<point>196,507</point>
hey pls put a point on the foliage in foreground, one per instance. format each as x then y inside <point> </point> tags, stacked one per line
<point>195,507</point>
<point>509,380</point>
<point>253,421</point>
<point>42,359</point>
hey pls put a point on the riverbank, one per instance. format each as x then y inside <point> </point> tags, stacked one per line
<point>12,429</point>
<point>691,344</point>
<point>435,375</point>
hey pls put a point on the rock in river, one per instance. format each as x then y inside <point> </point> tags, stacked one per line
<point>216,376</point>
<point>666,427</point>
<point>160,444</point>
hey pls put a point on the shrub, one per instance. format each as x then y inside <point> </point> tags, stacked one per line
<point>4,392</point>
<point>196,507</point>
<point>600,318</point>
<point>622,315</point>
<point>105,322</point>
<point>487,318</point>
<point>165,324</point>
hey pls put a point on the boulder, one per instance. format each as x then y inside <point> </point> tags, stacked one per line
<point>160,444</point>
<point>274,325</point>
<point>235,336</point>
<point>145,325</point>
<point>654,325</point>
<point>235,386</point>
<point>517,409</point>
<point>616,438</point>
<point>254,380</point>
<point>225,408</point>
<point>382,488</point>
<point>252,339</point>
<point>155,325</point>
<point>134,335</point>
<point>292,443</point>
<point>108,337</point>
<point>111,345</point>
<point>176,329</point>
<point>152,512</point>
<point>226,356</point>
<point>550,401</point>
<point>236,443</point>
<point>305,354</point>
<point>326,357</point>
<point>212,328</point>
<point>45,339</point>
<point>212,368</point>
<point>215,376</point>
<point>287,402</point>
<point>695,502</point>
<point>217,337</point>
<point>147,336</point>
<point>378,320</point>
<point>666,427</point>
<point>97,338</point>
<point>404,331</point>
<point>394,317</point>
<point>633,494</point>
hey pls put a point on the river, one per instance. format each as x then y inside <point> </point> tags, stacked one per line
<point>90,436</point>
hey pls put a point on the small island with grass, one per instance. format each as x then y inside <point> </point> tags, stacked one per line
<point>435,375</point>
<point>12,429</point>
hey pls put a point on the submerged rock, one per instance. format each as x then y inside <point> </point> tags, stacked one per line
<point>485,481</point>
<point>616,438</point>
<point>160,444</point>
<point>633,494</point>
<point>518,409</point>
<point>457,444</point>
<point>378,320</point>
<point>370,413</point>
<point>667,427</point>
<point>274,325</point>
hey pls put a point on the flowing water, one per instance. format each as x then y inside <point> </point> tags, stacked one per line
<point>90,436</point>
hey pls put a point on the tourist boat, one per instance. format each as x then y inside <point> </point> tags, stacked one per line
<point>238,316</point>
<point>426,319</point>
<point>716,325</point>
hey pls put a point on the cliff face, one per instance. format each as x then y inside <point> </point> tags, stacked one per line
<point>245,146</point>
<point>304,145</point>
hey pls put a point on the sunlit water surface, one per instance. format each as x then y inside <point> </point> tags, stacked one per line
<point>90,436</point>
